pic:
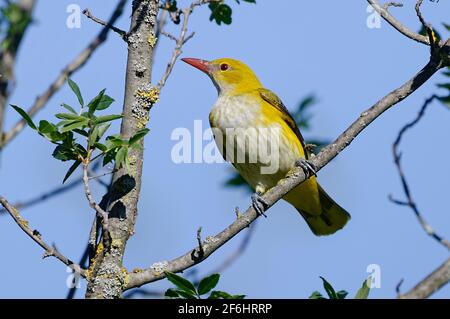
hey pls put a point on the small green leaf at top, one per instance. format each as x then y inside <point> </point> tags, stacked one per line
<point>25,116</point>
<point>180,282</point>
<point>76,90</point>
<point>208,283</point>
<point>363,292</point>
<point>341,294</point>
<point>220,12</point>
<point>120,157</point>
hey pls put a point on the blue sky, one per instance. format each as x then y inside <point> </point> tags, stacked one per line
<point>296,48</point>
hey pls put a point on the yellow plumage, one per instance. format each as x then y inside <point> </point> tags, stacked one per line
<point>244,103</point>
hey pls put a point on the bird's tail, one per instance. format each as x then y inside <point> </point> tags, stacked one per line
<point>325,218</point>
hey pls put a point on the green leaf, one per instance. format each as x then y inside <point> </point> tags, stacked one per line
<point>81,132</point>
<point>138,136</point>
<point>109,156</point>
<point>76,90</point>
<point>316,295</point>
<point>445,100</point>
<point>71,125</point>
<point>444,86</point>
<point>208,283</point>
<point>363,292</point>
<point>69,116</point>
<point>107,118</point>
<point>113,141</point>
<point>423,32</point>
<point>102,129</point>
<point>447,26</point>
<point>186,294</point>
<point>71,170</point>
<point>329,289</point>
<point>121,155</point>
<point>95,102</point>
<point>171,293</point>
<point>183,284</point>
<point>46,127</point>
<point>25,116</point>
<point>105,102</point>
<point>93,136</point>
<point>220,12</point>
<point>101,147</point>
<point>64,153</point>
<point>69,108</point>
<point>341,294</point>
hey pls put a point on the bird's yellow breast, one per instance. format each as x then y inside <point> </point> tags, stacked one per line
<point>250,118</point>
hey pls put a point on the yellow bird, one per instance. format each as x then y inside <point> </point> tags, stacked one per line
<point>245,107</point>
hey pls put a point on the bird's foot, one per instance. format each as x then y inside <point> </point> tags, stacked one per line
<point>259,204</point>
<point>308,168</point>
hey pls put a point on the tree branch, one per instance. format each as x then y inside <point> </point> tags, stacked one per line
<point>388,17</point>
<point>122,33</point>
<point>406,189</point>
<point>70,69</point>
<point>99,211</point>
<point>110,276</point>
<point>14,35</point>
<point>296,177</point>
<point>37,237</point>
<point>432,283</point>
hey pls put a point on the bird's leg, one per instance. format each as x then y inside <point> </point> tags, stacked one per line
<point>308,168</point>
<point>258,203</point>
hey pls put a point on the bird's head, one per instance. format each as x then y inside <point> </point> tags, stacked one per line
<point>228,75</point>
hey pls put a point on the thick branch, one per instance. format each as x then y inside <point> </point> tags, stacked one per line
<point>71,68</point>
<point>37,237</point>
<point>432,283</point>
<point>296,177</point>
<point>109,277</point>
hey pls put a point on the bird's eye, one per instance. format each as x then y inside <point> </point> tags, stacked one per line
<point>224,67</point>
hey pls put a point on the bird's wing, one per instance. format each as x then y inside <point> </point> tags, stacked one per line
<point>276,102</point>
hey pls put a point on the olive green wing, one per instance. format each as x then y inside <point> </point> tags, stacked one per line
<point>276,102</point>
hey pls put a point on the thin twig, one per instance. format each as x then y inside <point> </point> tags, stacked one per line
<point>387,5</point>
<point>122,33</point>
<point>70,69</point>
<point>406,188</point>
<point>100,212</point>
<point>384,13</point>
<point>37,237</point>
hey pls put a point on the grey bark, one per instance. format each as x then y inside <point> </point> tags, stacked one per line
<point>106,277</point>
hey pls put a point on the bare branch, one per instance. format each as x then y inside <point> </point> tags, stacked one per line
<point>406,189</point>
<point>432,283</point>
<point>122,33</point>
<point>296,176</point>
<point>70,69</point>
<point>37,237</point>
<point>383,11</point>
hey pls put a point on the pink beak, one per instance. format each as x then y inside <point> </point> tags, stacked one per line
<point>202,65</point>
